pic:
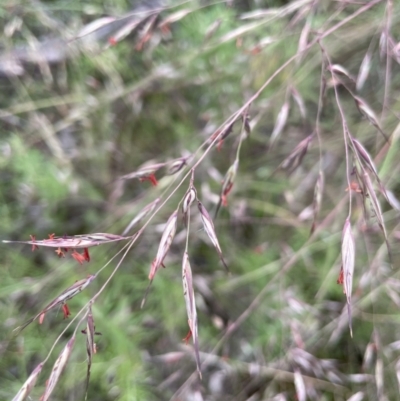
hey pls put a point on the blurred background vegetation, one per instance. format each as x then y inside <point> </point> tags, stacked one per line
<point>93,90</point>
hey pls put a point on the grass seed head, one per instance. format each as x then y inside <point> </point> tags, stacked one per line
<point>348,256</point>
<point>28,386</point>
<point>165,243</point>
<point>58,368</point>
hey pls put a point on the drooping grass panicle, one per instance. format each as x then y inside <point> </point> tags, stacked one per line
<point>348,257</point>
<point>28,386</point>
<point>210,230</point>
<point>188,292</point>
<point>69,293</point>
<point>58,367</point>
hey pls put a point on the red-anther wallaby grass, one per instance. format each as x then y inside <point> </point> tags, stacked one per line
<point>200,200</point>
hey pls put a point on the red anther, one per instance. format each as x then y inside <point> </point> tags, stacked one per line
<point>188,336</point>
<point>66,311</point>
<point>33,239</point>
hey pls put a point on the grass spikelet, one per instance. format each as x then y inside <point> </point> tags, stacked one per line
<point>72,242</point>
<point>210,230</point>
<point>366,110</point>
<point>340,70</point>
<point>165,244</point>
<point>69,293</point>
<point>90,346</point>
<point>227,185</point>
<point>368,162</point>
<point>318,191</point>
<point>189,198</point>
<point>296,156</point>
<point>145,173</point>
<point>188,293</point>
<point>222,134</point>
<point>280,123</point>
<point>363,73</point>
<point>377,208</point>
<point>163,248</point>
<point>300,386</point>
<point>27,387</point>
<point>142,214</point>
<point>177,165</point>
<point>348,256</point>
<point>299,101</point>
<point>58,367</point>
